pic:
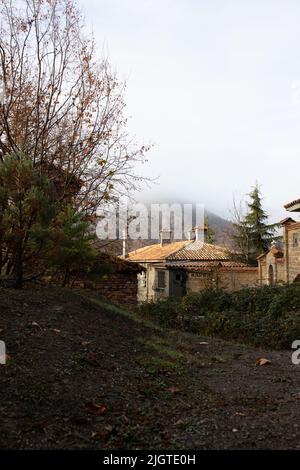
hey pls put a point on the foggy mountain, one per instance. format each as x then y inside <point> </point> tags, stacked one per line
<point>221,227</point>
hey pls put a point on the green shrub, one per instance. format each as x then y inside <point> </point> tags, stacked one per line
<point>268,316</point>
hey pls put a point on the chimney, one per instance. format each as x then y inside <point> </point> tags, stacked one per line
<point>191,234</point>
<point>200,232</point>
<point>165,237</point>
<point>125,243</point>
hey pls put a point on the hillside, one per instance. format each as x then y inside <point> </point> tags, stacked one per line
<point>83,374</point>
<point>221,227</point>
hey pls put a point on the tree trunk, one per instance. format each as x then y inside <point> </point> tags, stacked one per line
<point>66,277</point>
<point>19,269</point>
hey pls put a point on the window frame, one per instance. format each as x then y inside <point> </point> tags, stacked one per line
<point>161,276</point>
<point>295,240</point>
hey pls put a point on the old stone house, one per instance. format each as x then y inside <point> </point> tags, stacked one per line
<point>282,265</point>
<point>176,268</point>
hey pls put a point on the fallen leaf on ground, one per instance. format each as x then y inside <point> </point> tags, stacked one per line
<point>203,343</point>
<point>95,409</point>
<point>56,331</point>
<point>174,389</point>
<point>263,362</point>
<point>57,308</point>
<point>103,434</point>
<point>92,356</point>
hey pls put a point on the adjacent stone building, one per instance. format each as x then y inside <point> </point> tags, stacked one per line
<point>180,268</point>
<point>282,265</point>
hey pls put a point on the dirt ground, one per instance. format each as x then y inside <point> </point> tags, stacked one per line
<point>82,375</point>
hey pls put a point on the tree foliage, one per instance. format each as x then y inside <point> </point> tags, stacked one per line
<point>252,233</point>
<point>28,204</point>
<point>63,107</point>
<point>64,147</point>
<point>210,233</point>
<point>69,246</point>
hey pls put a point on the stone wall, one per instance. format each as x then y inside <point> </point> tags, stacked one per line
<point>285,269</point>
<point>278,265</point>
<point>120,288</point>
<point>293,261</point>
<point>237,278</point>
<point>228,279</point>
<point>197,281</point>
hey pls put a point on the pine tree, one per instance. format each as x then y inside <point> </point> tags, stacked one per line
<point>253,235</point>
<point>28,203</point>
<point>70,248</point>
<point>210,234</point>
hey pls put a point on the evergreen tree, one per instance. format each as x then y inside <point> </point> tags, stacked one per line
<point>28,203</point>
<point>210,234</point>
<point>70,247</point>
<point>253,235</point>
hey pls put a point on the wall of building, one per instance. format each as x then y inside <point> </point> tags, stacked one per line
<point>234,279</point>
<point>227,279</point>
<point>281,274</point>
<point>293,264</point>
<point>197,281</point>
<point>148,290</point>
<point>279,269</point>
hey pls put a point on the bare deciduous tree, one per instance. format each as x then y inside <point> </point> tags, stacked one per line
<point>63,108</point>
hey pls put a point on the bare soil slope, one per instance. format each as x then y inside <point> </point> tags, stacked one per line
<point>84,375</point>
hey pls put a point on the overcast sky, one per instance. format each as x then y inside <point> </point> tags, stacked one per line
<point>215,85</point>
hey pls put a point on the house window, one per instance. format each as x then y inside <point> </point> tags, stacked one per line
<point>295,240</point>
<point>161,279</point>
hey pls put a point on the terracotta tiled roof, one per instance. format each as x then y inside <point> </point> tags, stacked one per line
<point>223,268</point>
<point>291,204</point>
<point>287,220</point>
<point>181,251</point>
<point>156,252</point>
<point>276,252</point>
<point>198,251</point>
<point>118,264</point>
<point>191,265</point>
